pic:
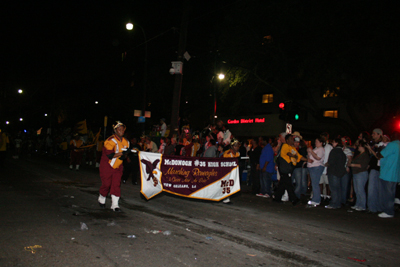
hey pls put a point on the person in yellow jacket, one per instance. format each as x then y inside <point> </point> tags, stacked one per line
<point>111,167</point>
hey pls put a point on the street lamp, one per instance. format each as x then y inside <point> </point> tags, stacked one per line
<point>20,91</point>
<point>129,27</point>
<point>221,76</point>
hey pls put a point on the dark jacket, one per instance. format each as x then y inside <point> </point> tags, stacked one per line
<point>337,161</point>
<point>254,155</point>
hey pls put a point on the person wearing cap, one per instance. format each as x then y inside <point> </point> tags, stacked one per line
<point>111,167</point>
<point>297,134</point>
<point>233,152</point>
<point>374,169</point>
<point>289,154</point>
<point>76,153</point>
<point>163,127</point>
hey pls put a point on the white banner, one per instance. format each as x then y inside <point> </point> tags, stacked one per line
<point>200,178</point>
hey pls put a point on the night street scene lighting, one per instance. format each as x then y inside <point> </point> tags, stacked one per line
<point>186,80</point>
<point>95,66</point>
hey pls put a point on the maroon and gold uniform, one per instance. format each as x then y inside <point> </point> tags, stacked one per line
<point>76,154</point>
<point>111,169</point>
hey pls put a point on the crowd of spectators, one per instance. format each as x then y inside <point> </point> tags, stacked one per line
<point>334,173</point>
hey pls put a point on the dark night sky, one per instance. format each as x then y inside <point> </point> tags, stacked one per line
<point>69,43</point>
<point>71,50</point>
<point>67,54</point>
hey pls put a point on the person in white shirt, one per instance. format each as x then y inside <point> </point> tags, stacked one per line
<point>163,127</point>
<point>324,177</point>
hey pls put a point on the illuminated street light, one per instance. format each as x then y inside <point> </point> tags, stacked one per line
<point>20,91</point>
<point>96,102</point>
<point>21,119</point>
<point>45,114</point>
<point>7,122</point>
<point>129,26</point>
<point>221,76</point>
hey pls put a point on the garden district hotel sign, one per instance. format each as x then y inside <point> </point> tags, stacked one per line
<point>201,178</point>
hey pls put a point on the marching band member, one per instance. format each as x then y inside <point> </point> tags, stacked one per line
<point>76,153</point>
<point>115,150</point>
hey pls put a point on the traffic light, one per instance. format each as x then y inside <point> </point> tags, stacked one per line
<point>291,111</point>
<point>282,112</point>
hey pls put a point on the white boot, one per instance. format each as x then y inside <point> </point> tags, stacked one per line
<point>226,200</point>
<point>102,201</point>
<point>285,196</point>
<point>114,205</point>
<point>70,167</point>
<point>97,164</point>
<point>77,167</point>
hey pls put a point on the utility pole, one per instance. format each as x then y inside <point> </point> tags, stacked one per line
<point>176,97</point>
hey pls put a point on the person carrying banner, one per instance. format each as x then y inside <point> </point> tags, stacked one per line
<point>115,150</point>
<point>76,153</point>
<point>233,152</point>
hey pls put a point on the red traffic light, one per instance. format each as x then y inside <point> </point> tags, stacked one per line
<point>282,105</point>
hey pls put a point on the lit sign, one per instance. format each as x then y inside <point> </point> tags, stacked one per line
<point>246,121</point>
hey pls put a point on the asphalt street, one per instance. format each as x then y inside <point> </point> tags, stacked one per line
<point>50,217</point>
